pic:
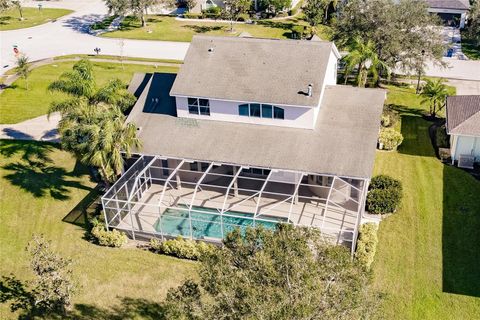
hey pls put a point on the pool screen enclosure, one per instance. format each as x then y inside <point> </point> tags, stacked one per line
<point>167,197</point>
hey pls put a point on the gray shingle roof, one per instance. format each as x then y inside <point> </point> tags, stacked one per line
<point>343,142</point>
<point>449,4</point>
<point>463,115</point>
<point>253,70</point>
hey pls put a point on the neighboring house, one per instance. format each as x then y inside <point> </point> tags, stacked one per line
<point>452,12</point>
<point>250,132</point>
<point>463,126</point>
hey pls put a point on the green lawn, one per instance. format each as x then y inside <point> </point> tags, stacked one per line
<point>110,57</point>
<point>428,255</point>
<point>468,47</point>
<point>39,187</point>
<point>168,29</point>
<point>18,104</point>
<point>10,19</point>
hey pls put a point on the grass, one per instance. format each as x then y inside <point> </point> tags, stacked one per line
<point>469,48</point>
<point>427,259</point>
<point>10,19</point>
<point>39,186</point>
<point>18,104</point>
<point>403,97</point>
<point>110,57</point>
<point>169,29</point>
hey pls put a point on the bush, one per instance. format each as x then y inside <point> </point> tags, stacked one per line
<point>293,12</point>
<point>390,138</point>
<point>182,248</point>
<point>390,117</point>
<point>107,238</point>
<point>212,13</point>
<point>385,195</point>
<point>384,182</point>
<point>192,15</point>
<point>382,201</point>
<point>367,244</point>
<point>243,17</point>
<point>441,137</point>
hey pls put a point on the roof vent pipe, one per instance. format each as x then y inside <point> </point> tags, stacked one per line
<point>309,90</point>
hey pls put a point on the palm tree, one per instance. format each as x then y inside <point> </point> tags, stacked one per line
<point>363,55</point>
<point>93,124</point>
<point>327,4</point>
<point>99,135</point>
<point>434,93</point>
<point>23,68</point>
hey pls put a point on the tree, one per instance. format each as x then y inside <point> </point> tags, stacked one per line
<point>434,93</point>
<point>473,31</point>
<point>363,56</point>
<point>93,124</point>
<point>5,5</point>
<point>287,274</point>
<point>190,4</point>
<point>234,8</point>
<point>274,5</point>
<point>23,68</point>
<point>313,11</point>
<point>53,285</point>
<point>400,30</point>
<point>17,4</point>
<point>139,8</point>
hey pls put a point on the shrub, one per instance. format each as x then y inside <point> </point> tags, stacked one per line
<point>212,13</point>
<point>182,248</point>
<point>243,17</point>
<point>367,244</point>
<point>390,138</point>
<point>441,137</point>
<point>293,12</point>
<point>381,201</point>
<point>384,182</point>
<point>390,117</point>
<point>385,195</point>
<point>192,15</point>
<point>107,238</point>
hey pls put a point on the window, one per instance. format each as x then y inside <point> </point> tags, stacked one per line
<point>165,170</point>
<point>278,113</point>
<point>258,110</point>
<point>243,110</point>
<point>199,106</point>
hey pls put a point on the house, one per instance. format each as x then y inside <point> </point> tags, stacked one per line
<point>452,12</point>
<point>463,126</point>
<point>249,132</point>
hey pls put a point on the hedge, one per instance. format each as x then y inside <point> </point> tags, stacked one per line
<point>113,238</point>
<point>367,244</point>
<point>182,248</point>
<point>383,181</point>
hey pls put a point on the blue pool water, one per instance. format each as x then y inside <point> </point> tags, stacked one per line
<point>206,222</point>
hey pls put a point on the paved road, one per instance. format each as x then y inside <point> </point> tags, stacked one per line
<point>466,87</point>
<point>70,35</point>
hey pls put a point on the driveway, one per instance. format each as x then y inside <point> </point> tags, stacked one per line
<point>466,87</point>
<point>41,128</point>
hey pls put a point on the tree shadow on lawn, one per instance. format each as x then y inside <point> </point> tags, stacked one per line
<point>460,235</point>
<point>17,294</point>
<point>35,172</point>
<point>204,29</point>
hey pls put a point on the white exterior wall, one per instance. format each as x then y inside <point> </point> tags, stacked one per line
<point>295,117</point>
<point>466,145</point>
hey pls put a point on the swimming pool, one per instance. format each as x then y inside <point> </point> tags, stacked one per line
<point>207,223</point>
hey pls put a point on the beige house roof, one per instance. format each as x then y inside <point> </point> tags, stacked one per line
<point>449,4</point>
<point>343,142</point>
<point>254,70</point>
<point>463,115</point>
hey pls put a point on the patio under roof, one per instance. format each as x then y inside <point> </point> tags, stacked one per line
<point>343,142</point>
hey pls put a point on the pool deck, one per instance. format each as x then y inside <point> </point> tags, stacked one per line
<point>332,220</point>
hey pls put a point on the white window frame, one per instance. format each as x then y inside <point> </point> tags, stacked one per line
<point>198,106</point>
<point>261,111</point>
